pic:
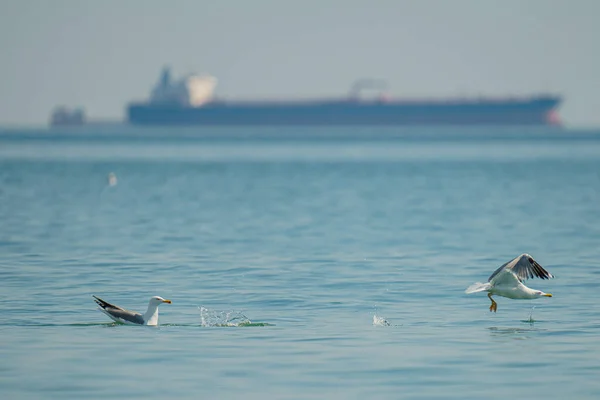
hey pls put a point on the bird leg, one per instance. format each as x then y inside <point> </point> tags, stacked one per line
<point>494,305</point>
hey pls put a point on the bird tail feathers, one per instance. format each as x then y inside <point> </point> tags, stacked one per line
<point>478,287</point>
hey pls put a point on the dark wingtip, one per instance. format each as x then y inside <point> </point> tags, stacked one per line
<point>99,301</point>
<point>540,271</point>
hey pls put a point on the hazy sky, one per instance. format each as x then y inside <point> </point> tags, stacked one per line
<point>102,54</point>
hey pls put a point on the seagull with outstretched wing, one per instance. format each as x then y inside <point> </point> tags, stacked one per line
<point>507,281</point>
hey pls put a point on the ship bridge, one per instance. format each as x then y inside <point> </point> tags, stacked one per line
<point>190,91</point>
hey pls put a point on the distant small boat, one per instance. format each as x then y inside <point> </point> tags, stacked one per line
<point>62,116</point>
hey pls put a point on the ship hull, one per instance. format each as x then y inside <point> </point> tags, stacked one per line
<point>532,111</point>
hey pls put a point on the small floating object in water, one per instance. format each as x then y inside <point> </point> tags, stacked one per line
<point>380,321</point>
<point>112,179</point>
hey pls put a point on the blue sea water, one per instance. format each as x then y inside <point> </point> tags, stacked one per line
<point>303,263</point>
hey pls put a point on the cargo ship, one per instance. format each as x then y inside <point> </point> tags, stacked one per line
<point>190,101</point>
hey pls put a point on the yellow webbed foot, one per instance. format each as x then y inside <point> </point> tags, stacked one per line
<point>494,305</point>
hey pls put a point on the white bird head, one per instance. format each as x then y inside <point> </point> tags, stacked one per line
<point>539,293</point>
<point>158,300</point>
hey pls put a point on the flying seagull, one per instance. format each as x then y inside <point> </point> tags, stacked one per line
<point>507,281</point>
<point>123,316</point>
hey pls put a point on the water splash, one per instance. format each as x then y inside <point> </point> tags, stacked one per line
<point>380,321</point>
<point>213,318</point>
<point>530,320</point>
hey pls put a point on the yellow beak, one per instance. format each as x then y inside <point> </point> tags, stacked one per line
<point>169,301</point>
<point>547,295</point>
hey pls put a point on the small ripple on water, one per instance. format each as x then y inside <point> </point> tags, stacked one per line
<point>510,331</point>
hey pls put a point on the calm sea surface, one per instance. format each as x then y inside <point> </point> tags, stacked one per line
<point>303,263</point>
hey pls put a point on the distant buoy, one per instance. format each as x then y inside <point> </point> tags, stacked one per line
<point>112,179</point>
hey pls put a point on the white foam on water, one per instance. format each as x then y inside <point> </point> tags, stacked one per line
<point>212,318</point>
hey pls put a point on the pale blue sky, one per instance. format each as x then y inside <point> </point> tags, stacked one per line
<point>102,54</point>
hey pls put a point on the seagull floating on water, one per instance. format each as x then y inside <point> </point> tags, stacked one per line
<point>124,316</point>
<point>507,281</point>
